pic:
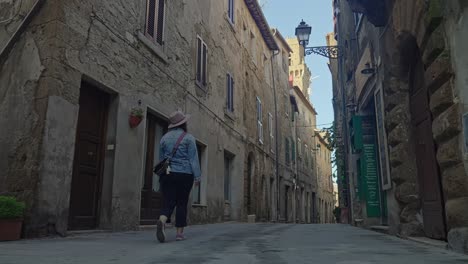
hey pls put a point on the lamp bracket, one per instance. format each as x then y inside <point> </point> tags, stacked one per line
<point>331,52</point>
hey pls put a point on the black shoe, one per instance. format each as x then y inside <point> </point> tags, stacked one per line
<point>160,234</point>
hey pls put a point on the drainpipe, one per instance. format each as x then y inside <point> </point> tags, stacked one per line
<point>277,135</point>
<point>22,27</point>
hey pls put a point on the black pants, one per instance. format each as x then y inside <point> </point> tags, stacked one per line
<point>176,189</point>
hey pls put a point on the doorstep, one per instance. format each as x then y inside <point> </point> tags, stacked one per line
<point>152,227</point>
<point>87,232</point>
<point>430,242</point>
<point>380,229</point>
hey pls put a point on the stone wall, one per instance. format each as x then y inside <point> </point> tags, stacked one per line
<point>426,30</point>
<point>455,180</point>
<point>102,43</point>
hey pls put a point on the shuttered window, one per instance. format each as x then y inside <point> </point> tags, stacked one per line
<point>259,120</point>
<point>286,148</point>
<point>155,17</point>
<point>272,134</point>
<point>229,93</point>
<point>231,10</point>
<point>202,59</point>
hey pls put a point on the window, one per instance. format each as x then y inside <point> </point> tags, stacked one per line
<point>293,150</point>
<point>229,93</point>
<point>311,158</point>
<point>287,104</point>
<point>231,10</point>
<point>197,190</point>
<point>272,135</point>
<point>202,59</point>
<point>259,120</point>
<point>286,148</point>
<point>227,176</point>
<point>299,147</point>
<point>155,16</point>
<point>306,154</point>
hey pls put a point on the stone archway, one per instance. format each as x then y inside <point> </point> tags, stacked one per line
<point>414,57</point>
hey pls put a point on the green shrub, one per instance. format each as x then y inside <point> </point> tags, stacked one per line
<point>10,208</point>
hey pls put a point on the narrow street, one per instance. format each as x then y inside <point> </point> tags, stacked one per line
<point>231,243</point>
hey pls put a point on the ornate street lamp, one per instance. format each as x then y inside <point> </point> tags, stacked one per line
<point>303,32</point>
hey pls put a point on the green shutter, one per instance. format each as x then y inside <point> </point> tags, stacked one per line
<point>357,133</point>
<point>286,147</point>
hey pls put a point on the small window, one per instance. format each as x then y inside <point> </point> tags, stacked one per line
<point>202,59</point>
<point>272,135</point>
<point>231,11</point>
<point>155,17</point>
<point>229,93</point>
<point>227,176</point>
<point>197,190</point>
<point>259,120</point>
<point>293,150</point>
<point>299,147</point>
<point>306,154</point>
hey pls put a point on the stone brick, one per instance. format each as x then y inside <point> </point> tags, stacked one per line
<point>411,229</point>
<point>393,100</point>
<point>398,115</point>
<point>449,154</point>
<point>455,182</point>
<point>439,72</point>
<point>410,212</point>
<point>457,212</point>
<point>447,125</point>
<point>458,240</point>
<point>435,46</point>
<point>403,174</point>
<point>398,135</point>
<point>407,193</point>
<point>441,99</point>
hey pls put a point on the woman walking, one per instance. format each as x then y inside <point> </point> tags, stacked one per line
<point>184,169</point>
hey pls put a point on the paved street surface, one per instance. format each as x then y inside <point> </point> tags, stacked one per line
<point>231,243</point>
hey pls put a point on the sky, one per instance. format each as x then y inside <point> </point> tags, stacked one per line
<point>286,16</point>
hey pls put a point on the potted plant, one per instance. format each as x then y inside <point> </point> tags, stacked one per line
<point>11,218</point>
<point>136,116</point>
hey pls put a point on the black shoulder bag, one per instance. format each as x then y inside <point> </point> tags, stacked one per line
<point>161,167</point>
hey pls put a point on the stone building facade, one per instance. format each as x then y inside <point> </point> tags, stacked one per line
<point>326,197</point>
<point>400,106</point>
<point>299,72</point>
<point>305,189</point>
<point>72,72</point>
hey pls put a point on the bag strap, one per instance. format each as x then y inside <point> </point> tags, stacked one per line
<point>176,146</point>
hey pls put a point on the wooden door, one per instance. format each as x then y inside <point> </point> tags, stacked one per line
<point>151,197</point>
<point>430,186</point>
<point>88,162</point>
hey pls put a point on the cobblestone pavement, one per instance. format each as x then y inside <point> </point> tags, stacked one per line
<point>231,243</point>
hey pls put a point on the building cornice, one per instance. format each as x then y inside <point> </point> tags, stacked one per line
<point>304,99</point>
<point>277,33</point>
<point>257,14</point>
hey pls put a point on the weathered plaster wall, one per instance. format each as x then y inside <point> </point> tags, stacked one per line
<point>12,13</point>
<point>21,127</point>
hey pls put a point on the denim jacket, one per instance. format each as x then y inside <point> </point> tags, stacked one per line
<point>185,160</point>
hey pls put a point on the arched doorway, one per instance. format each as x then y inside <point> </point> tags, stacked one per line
<point>430,184</point>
